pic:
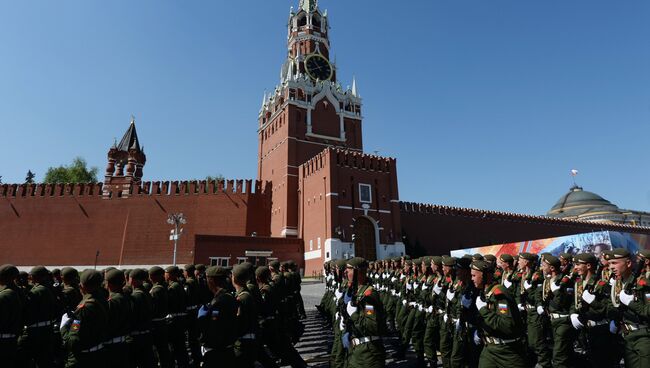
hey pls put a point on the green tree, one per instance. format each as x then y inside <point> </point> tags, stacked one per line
<point>77,172</point>
<point>29,179</point>
<point>217,177</point>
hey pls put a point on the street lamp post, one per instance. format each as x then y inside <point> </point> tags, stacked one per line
<point>176,219</point>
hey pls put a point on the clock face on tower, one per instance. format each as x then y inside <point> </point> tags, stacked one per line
<point>318,67</point>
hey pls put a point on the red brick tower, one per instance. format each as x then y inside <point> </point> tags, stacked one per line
<point>125,163</point>
<point>306,113</point>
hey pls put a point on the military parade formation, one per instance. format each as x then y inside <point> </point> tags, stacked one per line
<point>522,310</point>
<point>214,317</point>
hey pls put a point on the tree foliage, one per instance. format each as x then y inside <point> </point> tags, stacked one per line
<point>29,178</point>
<point>217,177</point>
<point>77,172</point>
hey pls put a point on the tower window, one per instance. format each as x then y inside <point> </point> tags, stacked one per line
<point>365,193</point>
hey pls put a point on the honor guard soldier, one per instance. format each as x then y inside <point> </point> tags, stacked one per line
<point>178,316</point>
<point>159,328</point>
<point>589,312</point>
<point>119,320</point>
<point>85,330</point>
<point>11,306</point>
<point>446,331</point>
<point>140,339</point>
<point>193,301</point>
<point>35,344</point>
<point>338,354</point>
<point>499,326</point>
<point>217,322</point>
<point>555,301</point>
<point>71,294</point>
<point>629,309</point>
<point>246,344</point>
<point>460,292</point>
<point>434,310</point>
<point>363,319</point>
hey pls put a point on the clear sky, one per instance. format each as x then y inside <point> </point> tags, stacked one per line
<point>484,103</point>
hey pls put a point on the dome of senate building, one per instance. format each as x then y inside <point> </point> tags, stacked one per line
<point>579,203</point>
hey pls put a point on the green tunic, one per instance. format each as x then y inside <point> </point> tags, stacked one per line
<point>87,331</point>
<point>367,322</point>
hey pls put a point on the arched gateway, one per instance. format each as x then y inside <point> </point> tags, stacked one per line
<point>365,243</point>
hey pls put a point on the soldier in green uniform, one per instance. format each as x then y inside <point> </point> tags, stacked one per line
<point>629,309</point>
<point>71,293</point>
<point>499,326</point>
<point>178,314</point>
<point>554,300</point>
<point>140,339</point>
<point>338,354</point>
<point>85,330</point>
<point>193,301</point>
<point>217,322</point>
<point>363,319</point>
<point>35,343</point>
<point>433,308</point>
<point>536,323</point>
<point>464,352</point>
<point>11,316</point>
<point>246,344</point>
<point>119,321</point>
<point>160,304</point>
<point>589,312</point>
<point>508,275</point>
<point>446,331</point>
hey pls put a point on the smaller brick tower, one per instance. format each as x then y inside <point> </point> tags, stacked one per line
<point>125,163</point>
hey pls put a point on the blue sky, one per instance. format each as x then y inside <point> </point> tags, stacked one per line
<point>485,104</point>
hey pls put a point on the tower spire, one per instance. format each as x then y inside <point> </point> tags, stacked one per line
<point>354,87</point>
<point>308,5</point>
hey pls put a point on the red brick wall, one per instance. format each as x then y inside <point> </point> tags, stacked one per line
<point>67,229</point>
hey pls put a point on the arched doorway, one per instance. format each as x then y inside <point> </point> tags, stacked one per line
<point>364,239</point>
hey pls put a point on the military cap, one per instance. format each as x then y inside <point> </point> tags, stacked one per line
<point>408,262</point>
<point>275,265</point>
<point>189,268</point>
<point>505,257</point>
<point>138,274</point>
<point>448,261</point>
<point>436,260</point>
<point>482,266</point>
<point>39,271</point>
<point>417,261</point>
<point>240,272</point>
<point>216,271</point>
<point>200,267</point>
<point>477,257</point>
<point>618,253</point>
<point>249,266</point>
<point>155,270</point>
<point>91,278</point>
<point>606,254</point>
<point>464,262</point>
<point>115,277</point>
<point>68,272</point>
<point>56,272</point>
<point>566,256</point>
<point>490,257</point>
<point>105,270</point>
<point>341,263</point>
<point>262,272</point>
<point>528,256</point>
<point>357,263</point>
<point>8,272</point>
<point>172,270</point>
<point>552,260</point>
<point>645,253</point>
<point>291,263</point>
<point>406,256</point>
<point>585,258</point>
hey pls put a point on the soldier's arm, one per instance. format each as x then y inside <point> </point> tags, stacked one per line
<point>78,329</point>
<point>499,319</point>
<point>369,317</point>
<point>641,306</point>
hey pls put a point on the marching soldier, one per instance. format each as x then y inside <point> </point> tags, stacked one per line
<point>160,304</point>
<point>338,354</point>
<point>217,321</point>
<point>500,327</point>
<point>435,308</point>
<point>119,320</point>
<point>246,327</point>
<point>11,306</point>
<point>629,308</point>
<point>140,337</point>
<point>446,333</point>
<point>178,314</point>
<point>193,298</point>
<point>84,330</point>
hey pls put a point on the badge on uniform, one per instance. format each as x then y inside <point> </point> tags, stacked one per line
<point>215,315</point>
<point>647,297</point>
<point>75,325</point>
<point>370,310</point>
<point>503,308</point>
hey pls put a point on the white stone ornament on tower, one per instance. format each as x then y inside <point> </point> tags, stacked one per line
<point>354,87</point>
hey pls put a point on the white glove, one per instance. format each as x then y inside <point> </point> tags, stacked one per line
<point>507,283</point>
<point>416,285</point>
<point>450,295</point>
<point>588,297</point>
<point>350,308</point>
<point>437,289</point>
<point>625,297</point>
<point>409,286</point>
<point>65,320</point>
<point>425,286</point>
<point>612,282</point>
<point>576,322</point>
<point>334,299</point>
<point>445,317</point>
<point>404,302</point>
<point>338,294</point>
<point>477,340</point>
<point>420,308</point>
<point>458,325</point>
<point>540,310</point>
<point>527,285</point>
<point>393,279</point>
<point>521,307</point>
<point>341,325</point>
<point>392,292</point>
<point>398,294</point>
<point>554,286</point>
<point>480,303</point>
<point>466,302</point>
<point>613,328</point>
<point>430,309</point>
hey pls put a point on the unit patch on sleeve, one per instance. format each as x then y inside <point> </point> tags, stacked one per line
<point>503,308</point>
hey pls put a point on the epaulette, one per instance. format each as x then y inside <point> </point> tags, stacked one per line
<point>642,282</point>
<point>601,283</point>
<point>498,290</point>
<point>565,279</point>
<point>368,291</point>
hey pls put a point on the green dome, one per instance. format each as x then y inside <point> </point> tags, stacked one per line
<point>578,203</point>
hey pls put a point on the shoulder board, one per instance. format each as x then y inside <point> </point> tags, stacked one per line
<point>498,290</point>
<point>602,283</point>
<point>368,291</point>
<point>81,305</point>
<point>497,273</point>
<point>642,281</point>
<point>565,279</point>
<point>535,276</point>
